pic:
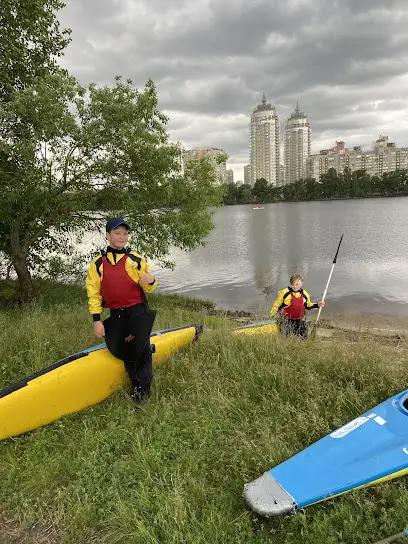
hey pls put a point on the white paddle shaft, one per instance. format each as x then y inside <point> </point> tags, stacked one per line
<point>325,291</point>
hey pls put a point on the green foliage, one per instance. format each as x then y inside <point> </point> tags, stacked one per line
<point>261,190</point>
<point>237,194</point>
<point>31,40</point>
<point>332,185</point>
<point>69,155</point>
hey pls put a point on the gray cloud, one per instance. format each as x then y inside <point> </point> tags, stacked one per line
<point>345,61</point>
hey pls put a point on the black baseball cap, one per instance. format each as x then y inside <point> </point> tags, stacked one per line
<point>116,222</point>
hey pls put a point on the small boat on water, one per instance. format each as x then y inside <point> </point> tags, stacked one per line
<point>258,207</point>
<point>368,450</point>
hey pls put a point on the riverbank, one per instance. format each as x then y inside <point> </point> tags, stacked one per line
<point>328,199</point>
<point>222,412</point>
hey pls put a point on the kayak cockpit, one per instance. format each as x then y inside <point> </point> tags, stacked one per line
<point>400,403</point>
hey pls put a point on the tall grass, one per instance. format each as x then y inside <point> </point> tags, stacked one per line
<point>222,412</point>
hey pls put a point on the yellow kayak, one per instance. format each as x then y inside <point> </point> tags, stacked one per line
<point>78,381</point>
<point>261,327</point>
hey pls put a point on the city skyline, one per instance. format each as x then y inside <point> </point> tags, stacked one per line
<point>295,151</point>
<point>212,60</point>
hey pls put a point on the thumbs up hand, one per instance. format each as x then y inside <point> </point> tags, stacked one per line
<point>147,277</point>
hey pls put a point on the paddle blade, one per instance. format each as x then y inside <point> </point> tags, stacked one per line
<point>312,335</point>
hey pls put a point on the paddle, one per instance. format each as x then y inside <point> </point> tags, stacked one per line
<point>313,333</point>
<point>393,538</point>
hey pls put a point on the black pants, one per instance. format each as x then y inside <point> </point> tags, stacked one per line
<point>297,327</point>
<point>141,372</point>
<point>127,336</point>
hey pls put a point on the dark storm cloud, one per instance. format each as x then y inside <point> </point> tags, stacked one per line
<point>344,61</point>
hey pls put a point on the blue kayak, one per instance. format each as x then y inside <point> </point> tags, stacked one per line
<point>368,450</point>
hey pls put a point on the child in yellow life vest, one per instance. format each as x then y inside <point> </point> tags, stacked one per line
<point>291,305</point>
<point>119,279</point>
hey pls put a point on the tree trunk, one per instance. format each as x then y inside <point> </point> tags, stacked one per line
<point>24,278</point>
<point>18,256</point>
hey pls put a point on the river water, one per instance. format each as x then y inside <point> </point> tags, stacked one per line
<point>251,254</point>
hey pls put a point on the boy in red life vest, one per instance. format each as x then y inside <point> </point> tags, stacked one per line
<point>291,305</point>
<point>118,279</point>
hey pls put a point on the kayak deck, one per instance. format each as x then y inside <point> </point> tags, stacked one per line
<point>369,449</point>
<point>77,382</point>
<point>261,327</point>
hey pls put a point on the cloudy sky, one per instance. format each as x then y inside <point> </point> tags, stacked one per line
<point>345,61</point>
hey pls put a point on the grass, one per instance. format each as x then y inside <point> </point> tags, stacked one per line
<point>222,412</point>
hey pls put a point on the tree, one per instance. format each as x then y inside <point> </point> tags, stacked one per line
<point>31,41</point>
<point>230,193</point>
<point>64,149</point>
<point>330,183</point>
<point>260,189</point>
<point>312,189</point>
<point>245,193</point>
<point>275,193</point>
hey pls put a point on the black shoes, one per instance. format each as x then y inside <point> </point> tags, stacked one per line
<point>139,396</point>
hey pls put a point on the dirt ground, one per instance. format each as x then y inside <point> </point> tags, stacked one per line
<point>12,533</point>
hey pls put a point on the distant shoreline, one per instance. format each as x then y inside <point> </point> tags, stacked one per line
<point>316,199</point>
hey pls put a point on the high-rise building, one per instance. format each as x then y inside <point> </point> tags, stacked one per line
<point>264,150</point>
<point>247,174</point>
<point>383,157</point>
<point>230,176</point>
<point>282,174</point>
<point>212,153</point>
<point>297,146</point>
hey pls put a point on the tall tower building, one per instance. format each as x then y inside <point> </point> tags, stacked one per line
<point>297,146</point>
<point>247,174</point>
<point>264,151</point>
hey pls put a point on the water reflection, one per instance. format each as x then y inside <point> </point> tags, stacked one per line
<point>252,253</point>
